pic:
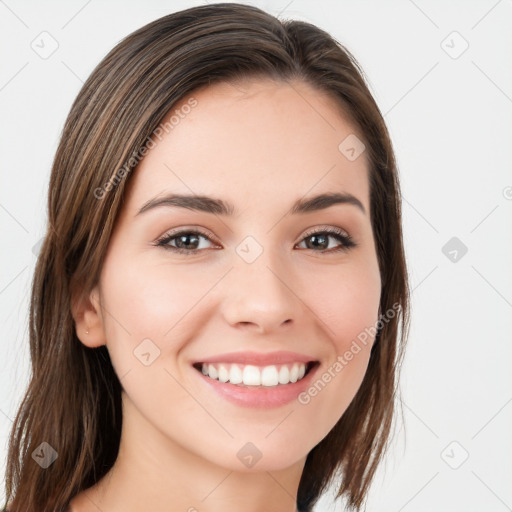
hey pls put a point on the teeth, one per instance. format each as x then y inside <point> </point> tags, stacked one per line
<point>251,375</point>
<point>235,374</point>
<point>284,375</point>
<point>269,376</point>
<point>212,372</point>
<point>294,373</point>
<point>223,373</point>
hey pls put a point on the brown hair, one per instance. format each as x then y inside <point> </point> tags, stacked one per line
<point>73,400</point>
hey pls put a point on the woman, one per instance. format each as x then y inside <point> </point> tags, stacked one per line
<point>220,304</point>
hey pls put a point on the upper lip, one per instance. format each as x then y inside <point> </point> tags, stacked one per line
<point>259,358</point>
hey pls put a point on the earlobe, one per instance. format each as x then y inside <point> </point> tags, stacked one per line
<point>86,312</point>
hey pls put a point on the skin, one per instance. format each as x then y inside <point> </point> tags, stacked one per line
<point>260,145</point>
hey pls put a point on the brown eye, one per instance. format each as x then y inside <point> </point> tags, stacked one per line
<point>185,242</point>
<point>320,239</point>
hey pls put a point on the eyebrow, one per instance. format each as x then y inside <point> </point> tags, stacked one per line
<point>219,207</point>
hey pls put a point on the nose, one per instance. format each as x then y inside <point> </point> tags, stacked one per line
<point>260,296</point>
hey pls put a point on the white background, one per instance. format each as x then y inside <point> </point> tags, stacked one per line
<point>451,124</point>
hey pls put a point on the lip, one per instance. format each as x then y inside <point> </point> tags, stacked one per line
<point>259,397</point>
<point>259,358</point>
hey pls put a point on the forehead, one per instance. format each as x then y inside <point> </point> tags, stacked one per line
<point>249,141</point>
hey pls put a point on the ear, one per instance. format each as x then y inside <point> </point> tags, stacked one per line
<point>87,313</point>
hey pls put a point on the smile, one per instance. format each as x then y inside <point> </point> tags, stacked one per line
<point>256,379</point>
<point>252,375</point>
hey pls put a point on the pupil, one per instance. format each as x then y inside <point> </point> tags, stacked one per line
<point>316,238</point>
<point>183,237</point>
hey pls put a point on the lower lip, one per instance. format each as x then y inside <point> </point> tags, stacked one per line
<point>260,397</point>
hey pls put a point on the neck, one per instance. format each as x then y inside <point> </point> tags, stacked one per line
<point>152,472</point>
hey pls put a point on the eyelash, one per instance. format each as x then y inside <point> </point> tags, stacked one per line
<point>346,240</point>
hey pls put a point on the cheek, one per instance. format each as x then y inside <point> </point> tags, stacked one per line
<point>349,313</point>
<point>154,310</point>
<point>151,301</point>
<point>347,303</point>
<point>150,312</point>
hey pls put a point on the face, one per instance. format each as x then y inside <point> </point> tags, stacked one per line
<point>261,292</point>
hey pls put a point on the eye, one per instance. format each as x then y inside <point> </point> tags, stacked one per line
<point>320,238</point>
<point>187,241</point>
